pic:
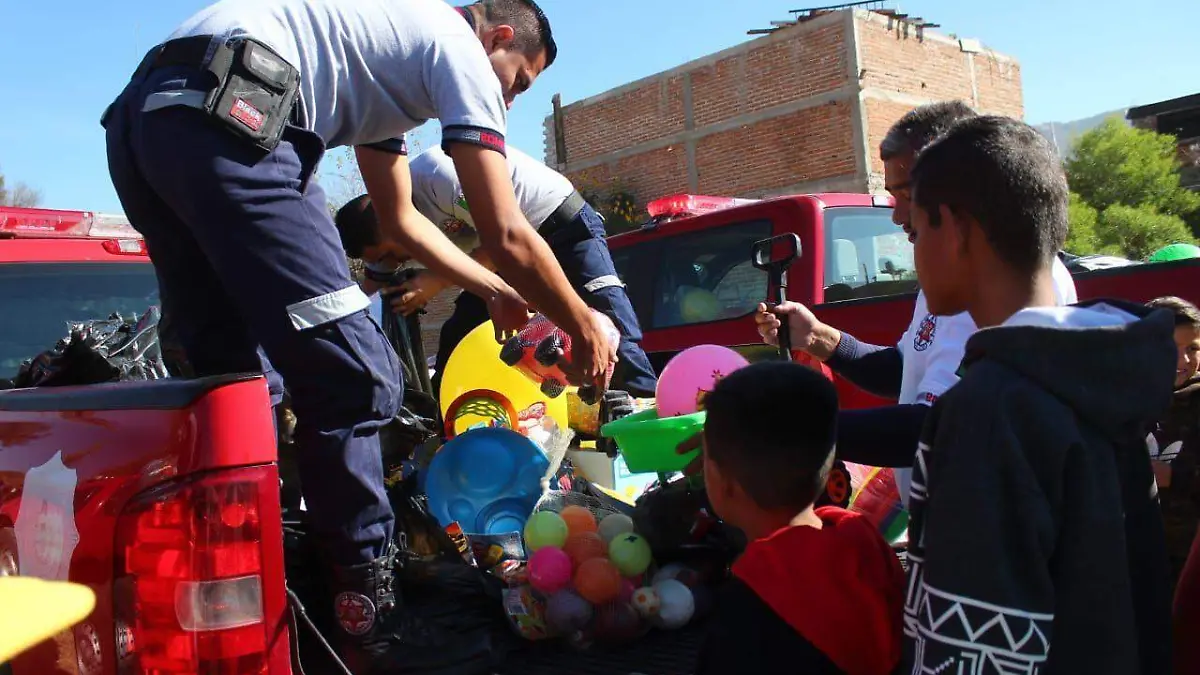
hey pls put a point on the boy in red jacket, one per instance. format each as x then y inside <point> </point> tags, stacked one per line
<point>817,590</point>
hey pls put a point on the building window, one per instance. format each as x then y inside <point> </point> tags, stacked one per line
<point>866,255</point>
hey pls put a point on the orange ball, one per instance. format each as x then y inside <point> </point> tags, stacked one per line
<point>578,519</point>
<point>583,546</point>
<point>598,581</point>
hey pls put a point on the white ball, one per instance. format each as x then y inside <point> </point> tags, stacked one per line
<point>671,571</point>
<point>645,600</point>
<point>615,525</point>
<point>676,604</point>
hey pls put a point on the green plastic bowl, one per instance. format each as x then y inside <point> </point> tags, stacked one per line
<point>647,442</point>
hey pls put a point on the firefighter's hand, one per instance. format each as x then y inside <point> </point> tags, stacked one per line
<point>415,293</point>
<point>693,442</point>
<point>593,355</point>
<point>807,332</point>
<point>509,312</point>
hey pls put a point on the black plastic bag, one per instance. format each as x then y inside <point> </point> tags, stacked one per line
<point>108,350</point>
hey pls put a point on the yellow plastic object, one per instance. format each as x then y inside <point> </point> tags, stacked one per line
<point>648,442</point>
<point>475,364</point>
<point>35,610</point>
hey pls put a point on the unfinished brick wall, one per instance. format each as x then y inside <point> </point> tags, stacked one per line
<point>901,70</point>
<point>801,110</point>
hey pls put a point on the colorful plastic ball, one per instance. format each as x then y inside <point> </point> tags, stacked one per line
<point>688,378</point>
<point>627,590</point>
<point>582,546</point>
<point>545,528</point>
<point>549,570</point>
<point>578,519</point>
<point>614,525</point>
<point>646,602</point>
<point>630,553</point>
<point>567,611</point>
<point>685,575</point>
<point>676,604</point>
<point>598,581</point>
<point>617,622</point>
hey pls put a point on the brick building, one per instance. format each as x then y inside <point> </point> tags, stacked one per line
<point>800,110</point>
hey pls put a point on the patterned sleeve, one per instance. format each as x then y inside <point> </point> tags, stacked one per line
<point>981,598</point>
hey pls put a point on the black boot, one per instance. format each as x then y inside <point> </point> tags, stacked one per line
<point>365,597</point>
<point>438,635</point>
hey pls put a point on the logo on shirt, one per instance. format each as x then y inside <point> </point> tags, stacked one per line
<point>453,227</point>
<point>925,333</point>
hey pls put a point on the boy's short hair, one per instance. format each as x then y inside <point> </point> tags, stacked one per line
<point>529,23</point>
<point>1186,314</point>
<point>1004,175</point>
<point>772,427</point>
<point>920,126</point>
<point>357,226</point>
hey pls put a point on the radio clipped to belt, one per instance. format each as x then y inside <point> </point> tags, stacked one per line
<point>255,91</point>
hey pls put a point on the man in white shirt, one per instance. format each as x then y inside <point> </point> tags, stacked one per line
<point>212,148</point>
<point>572,228</point>
<point>925,362</point>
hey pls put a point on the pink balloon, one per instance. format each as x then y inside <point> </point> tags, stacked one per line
<point>692,374</point>
<point>549,569</point>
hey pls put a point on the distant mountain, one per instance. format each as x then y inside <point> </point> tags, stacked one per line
<point>1064,133</point>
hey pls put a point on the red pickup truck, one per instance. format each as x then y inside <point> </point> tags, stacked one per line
<point>691,279</point>
<point>164,496</point>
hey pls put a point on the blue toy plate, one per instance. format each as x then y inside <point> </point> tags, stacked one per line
<point>487,479</point>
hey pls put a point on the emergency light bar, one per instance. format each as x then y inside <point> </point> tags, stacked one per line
<point>678,206</point>
<point>17,221</point>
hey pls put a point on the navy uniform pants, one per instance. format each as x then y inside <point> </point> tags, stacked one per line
<point>583,253</point>
<point>248,258</point>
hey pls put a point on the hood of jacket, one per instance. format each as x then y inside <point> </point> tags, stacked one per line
<point>1111,361</point>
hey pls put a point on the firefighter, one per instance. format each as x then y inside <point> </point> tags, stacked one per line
<point>212,148</point>
<point>574,230</point>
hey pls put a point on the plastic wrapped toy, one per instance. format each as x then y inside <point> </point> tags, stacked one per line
<point>538,349</point>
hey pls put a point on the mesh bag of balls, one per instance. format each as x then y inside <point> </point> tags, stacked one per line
<point>590,578</point>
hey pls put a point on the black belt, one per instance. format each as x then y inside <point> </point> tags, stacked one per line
<point>193,52</point>
<point>188,51</point>
<point>564,214</point>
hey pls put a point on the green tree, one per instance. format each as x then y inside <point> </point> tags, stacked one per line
<point>19,195</point>
<point>1138,232</point>
<point>1082,235</point>
<point>1119,164</point>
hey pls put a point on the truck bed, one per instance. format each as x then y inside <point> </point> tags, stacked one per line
<point>658,653</point>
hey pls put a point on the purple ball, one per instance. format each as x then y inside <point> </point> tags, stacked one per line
<point>567,611</point>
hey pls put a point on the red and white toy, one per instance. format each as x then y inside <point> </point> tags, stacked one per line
<point>540,347</point>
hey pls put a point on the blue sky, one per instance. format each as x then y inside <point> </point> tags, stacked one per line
<point>62,62</point>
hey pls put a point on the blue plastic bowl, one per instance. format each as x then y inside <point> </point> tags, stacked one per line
<point>488,480</point>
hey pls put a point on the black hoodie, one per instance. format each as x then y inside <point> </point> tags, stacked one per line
<point>1036,543</point>
<point>1176,441</point>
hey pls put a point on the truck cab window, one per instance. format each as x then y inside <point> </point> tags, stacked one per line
<point>866,255</point>
<point>707,275</point>
<point>42,300</point>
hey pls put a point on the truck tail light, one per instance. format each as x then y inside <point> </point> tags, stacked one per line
<point>678,206</point>
<point>199,578</point>
<point>125,246</point>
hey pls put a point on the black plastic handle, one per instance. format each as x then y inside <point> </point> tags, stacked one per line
<point>774,255</point>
